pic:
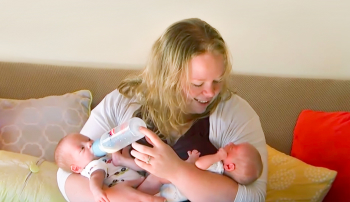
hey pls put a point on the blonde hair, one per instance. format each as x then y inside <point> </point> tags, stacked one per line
<point>159,88</point>
<point>63,158</point>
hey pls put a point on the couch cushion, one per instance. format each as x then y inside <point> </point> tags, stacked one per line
<point>19,79</point>
<point>323,139</point>
<point>35,126</point>
<point>277,100</point>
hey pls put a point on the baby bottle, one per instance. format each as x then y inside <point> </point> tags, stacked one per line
<point>119,137</point>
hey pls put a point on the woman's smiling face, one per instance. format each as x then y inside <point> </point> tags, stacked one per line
<point>205,77</point>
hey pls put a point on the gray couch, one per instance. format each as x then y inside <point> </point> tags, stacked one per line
<point>277,100</point>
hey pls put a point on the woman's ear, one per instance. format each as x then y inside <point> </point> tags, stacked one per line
<point>230,167</point>
<point>75,169</point>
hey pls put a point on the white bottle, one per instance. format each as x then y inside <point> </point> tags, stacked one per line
<point>119,137</point>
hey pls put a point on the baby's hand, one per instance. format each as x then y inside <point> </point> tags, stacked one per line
<point>100,195</point>
<point>222,154</point>
<point>193,156</point>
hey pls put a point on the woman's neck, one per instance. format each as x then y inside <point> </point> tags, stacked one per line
<point>189,118</point>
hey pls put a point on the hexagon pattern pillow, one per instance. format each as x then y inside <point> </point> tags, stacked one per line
<point>291,180</point>
<point>35,126</point>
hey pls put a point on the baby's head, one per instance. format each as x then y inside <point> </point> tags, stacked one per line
<point>74,152</point>
<point>244,161</point>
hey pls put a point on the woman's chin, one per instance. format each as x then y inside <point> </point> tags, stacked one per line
<point>197,108</point>
<point>200,108</point>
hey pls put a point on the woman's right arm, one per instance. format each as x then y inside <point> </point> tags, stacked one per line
<point>77,190</point>
<point>110,112</point>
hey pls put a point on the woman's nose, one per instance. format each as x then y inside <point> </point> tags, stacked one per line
<point>209,91</point>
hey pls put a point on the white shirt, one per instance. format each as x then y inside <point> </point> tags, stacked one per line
<point>232,121</point>
<point>113,174</point>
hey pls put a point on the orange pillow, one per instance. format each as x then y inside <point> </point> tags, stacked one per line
<point>323,139</point>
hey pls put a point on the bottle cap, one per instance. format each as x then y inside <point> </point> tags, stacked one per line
<point>135,127</point>
<point>96,149</point>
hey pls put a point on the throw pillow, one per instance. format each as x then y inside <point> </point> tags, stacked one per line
<point>290,179</point>
<point>35,126</point>
<point>323,139</point>
<point>19,183</point>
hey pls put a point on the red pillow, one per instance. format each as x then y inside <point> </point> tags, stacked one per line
<point>323,139</point>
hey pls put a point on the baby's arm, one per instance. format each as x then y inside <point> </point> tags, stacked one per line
<point>204,162</point>
<point>96,184</point>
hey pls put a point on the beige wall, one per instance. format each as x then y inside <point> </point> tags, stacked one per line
<point>304,38</point>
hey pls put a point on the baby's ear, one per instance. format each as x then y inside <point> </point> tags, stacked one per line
<point>75,168</point>
<point>230,167</point>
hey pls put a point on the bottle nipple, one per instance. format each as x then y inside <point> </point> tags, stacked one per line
<point>97,150</point>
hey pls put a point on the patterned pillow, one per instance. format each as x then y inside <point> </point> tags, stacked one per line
<point>35,126</point>
<point>290,179</point>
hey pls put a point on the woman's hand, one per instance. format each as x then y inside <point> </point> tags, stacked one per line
<point>161,160</point>
<point>99,195</point>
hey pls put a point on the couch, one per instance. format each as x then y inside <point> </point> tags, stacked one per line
<point>277,100</point>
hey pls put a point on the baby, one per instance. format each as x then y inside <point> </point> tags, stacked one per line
<point>74,153</point>
<point>241,162</point>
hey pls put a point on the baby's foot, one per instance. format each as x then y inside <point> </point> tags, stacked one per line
<point>193,156</point>
<point>222,154</point>
<point>117,158</point>
<point>121,156</point>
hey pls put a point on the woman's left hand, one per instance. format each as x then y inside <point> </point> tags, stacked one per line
<point>161,160</point>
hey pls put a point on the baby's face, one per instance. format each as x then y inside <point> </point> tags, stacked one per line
<point>80,149</point>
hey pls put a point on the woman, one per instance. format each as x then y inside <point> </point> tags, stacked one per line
<point>183,97</point>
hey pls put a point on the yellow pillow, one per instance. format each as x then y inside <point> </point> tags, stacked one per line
<point>19,183</point>
<point>290,179</point>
